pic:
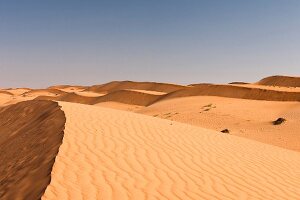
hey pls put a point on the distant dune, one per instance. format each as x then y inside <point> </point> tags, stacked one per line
<point>233,91</point>
<point>40,92</point>
<point>30,135</point>
<point>5,92</point>
<point>70,97</point>
<point>138,97</point>
<point>283,81</point>
<point>67,86</point>
<point>121,96</point>
<point>129,97</point>
<point>238,83</point>
<point>122,85</point>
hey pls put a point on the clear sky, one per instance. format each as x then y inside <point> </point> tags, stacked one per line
<point>45,42</point>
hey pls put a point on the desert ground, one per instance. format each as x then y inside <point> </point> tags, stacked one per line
<point>148,140</point>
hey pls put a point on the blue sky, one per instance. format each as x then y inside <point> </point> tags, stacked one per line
<point>188,41</point>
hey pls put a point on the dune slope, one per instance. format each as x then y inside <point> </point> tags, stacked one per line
<point>283,81</point>
<point>130,156</point>
<point>234,91</point>
<point>120,96</point>
<point>122,85</point>
<point>247,118</point>
<point>30,135</point>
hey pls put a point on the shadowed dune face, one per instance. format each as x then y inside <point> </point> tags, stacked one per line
<point>30,135</point>
<point>143,93</point>
<point>233,91</point>
<point>121,96</point>
<point>123,85</point>
<point>283,81</point>
<point>70,97</point>
<point>129,97</point>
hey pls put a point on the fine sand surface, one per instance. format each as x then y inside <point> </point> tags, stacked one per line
<point>4,98</point>
<point>235,91</point>
<point>247,118</point>
<point>111,154</point>
<point>149,92</point>
<point>120,106</point>
<point>30,135</point>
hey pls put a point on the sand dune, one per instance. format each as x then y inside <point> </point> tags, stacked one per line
<point>5,92</point>
<point>120,106</point>
<point>30,135</point>
<point>234,91</point>
<point>109,154</point>
<point>4,98</point>
<point>69,97</point>
<point>89,94</point>
<point>129,97</point>
<point>146,98</point>
<point>120,96</point>
<point>270,87</point>
<point>285,81</point>
<point>17,91</point>
<point>44,92</point>
<point>238,83</point>
<point>148,92</point>
<point>247,118</point>
<point>122,85</point>
<point>112,154</point>
<point>62,87</point>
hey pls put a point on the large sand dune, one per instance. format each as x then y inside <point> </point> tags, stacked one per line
<point>285,81</point>
<point>122,85</point>
<point>30,135</point>
<point>146,98</point>
<point>110,154</point>
<point>129,97</point>
<point>234,91</point>
<point>120,96</point>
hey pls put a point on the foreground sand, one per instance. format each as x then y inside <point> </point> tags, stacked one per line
<point>110,154</point>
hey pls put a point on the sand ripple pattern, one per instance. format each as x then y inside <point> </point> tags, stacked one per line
<point>109,154</point>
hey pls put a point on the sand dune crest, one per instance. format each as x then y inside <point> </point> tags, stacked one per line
<point>283,81</point>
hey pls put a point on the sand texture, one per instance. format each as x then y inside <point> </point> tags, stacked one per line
<point>285,81</point>
<point>30,135</point>
<point>111,154</point>
<point>246,118</point>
